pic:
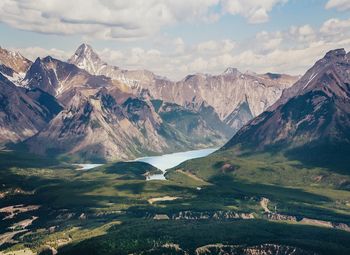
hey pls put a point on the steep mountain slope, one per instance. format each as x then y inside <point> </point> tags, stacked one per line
<point>58,78</point>
<point>225,93</point>
<point>196,127</point>
<point>23,113</point>
<point>242,114</point>
<point>13,65</point>
<point>108,124</point>
<point>311,120</point>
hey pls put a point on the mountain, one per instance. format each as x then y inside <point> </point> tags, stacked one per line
<point>58,78</point>
<point>23,112</point>
<point>135,112</point>
<point>225,93</point>
<point>241,115</point>
<point>127,127</point>
<point>13,65</point>
<point>86,59</point>
<point>311,120</point>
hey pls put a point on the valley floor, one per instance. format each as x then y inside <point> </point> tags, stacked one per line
<point>230,205</point>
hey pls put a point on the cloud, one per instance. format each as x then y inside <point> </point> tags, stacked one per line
<point>256,11</point>
<point>105,19</point>
<point>340,5</point>
<point>124,20</point>
<point>336,27</point>
<point>293,51</point>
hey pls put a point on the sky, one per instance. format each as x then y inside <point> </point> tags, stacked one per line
<point>174,38</point>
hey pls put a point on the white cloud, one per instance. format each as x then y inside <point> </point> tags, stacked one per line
<point>340,5</point>
<point>293,51</point>
<point>119,19</point>
<point>256,11</point>
<point>336,27</point>
<point>215,47</point>
<point>101,18</point>
<point>303,33</point>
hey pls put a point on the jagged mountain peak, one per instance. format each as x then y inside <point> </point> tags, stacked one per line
<point>231,71</point>
<point>85,50</point>
<point>332,54</point>
<point>86,58</point>
<point>57,77</point>
<point>14,60</point>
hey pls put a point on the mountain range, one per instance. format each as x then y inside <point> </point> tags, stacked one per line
<point>226,92</point>
<point>134,112</point>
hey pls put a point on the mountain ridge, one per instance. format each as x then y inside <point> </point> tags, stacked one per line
<point>138,112</point>
<point>195,89</point>
<point>311,121</point>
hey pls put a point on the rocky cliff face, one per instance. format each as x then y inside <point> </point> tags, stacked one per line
<point>13,65</point>
<point>22,112</point>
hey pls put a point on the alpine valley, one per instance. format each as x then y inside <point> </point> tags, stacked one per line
<point>135,113</point>
<point>76,137</point>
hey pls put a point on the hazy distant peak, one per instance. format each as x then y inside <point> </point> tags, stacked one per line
<point>231,71</point>
<point>14,60</point>
<point>86,58</point>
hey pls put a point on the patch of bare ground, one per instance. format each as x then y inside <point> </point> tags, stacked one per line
<point>161,199</point>
<point>8,236</point>
<point>195,177</point>
<point>24,223</point>
<point>13,210</point>
<point>16,191</point>
<point>19,252</point>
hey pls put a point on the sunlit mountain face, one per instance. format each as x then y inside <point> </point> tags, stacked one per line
<point>174,127</point>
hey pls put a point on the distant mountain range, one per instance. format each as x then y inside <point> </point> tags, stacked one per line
<point>225,92</point>
<point>85,109</point>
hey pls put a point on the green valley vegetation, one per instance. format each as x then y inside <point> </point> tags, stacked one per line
<point>228,203</point>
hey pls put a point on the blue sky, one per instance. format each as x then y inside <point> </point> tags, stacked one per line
<point>175,38</point>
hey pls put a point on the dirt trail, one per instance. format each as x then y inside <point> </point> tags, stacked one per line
<point>6,237</point>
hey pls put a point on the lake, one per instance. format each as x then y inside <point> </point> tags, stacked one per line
<point>167,161</point>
